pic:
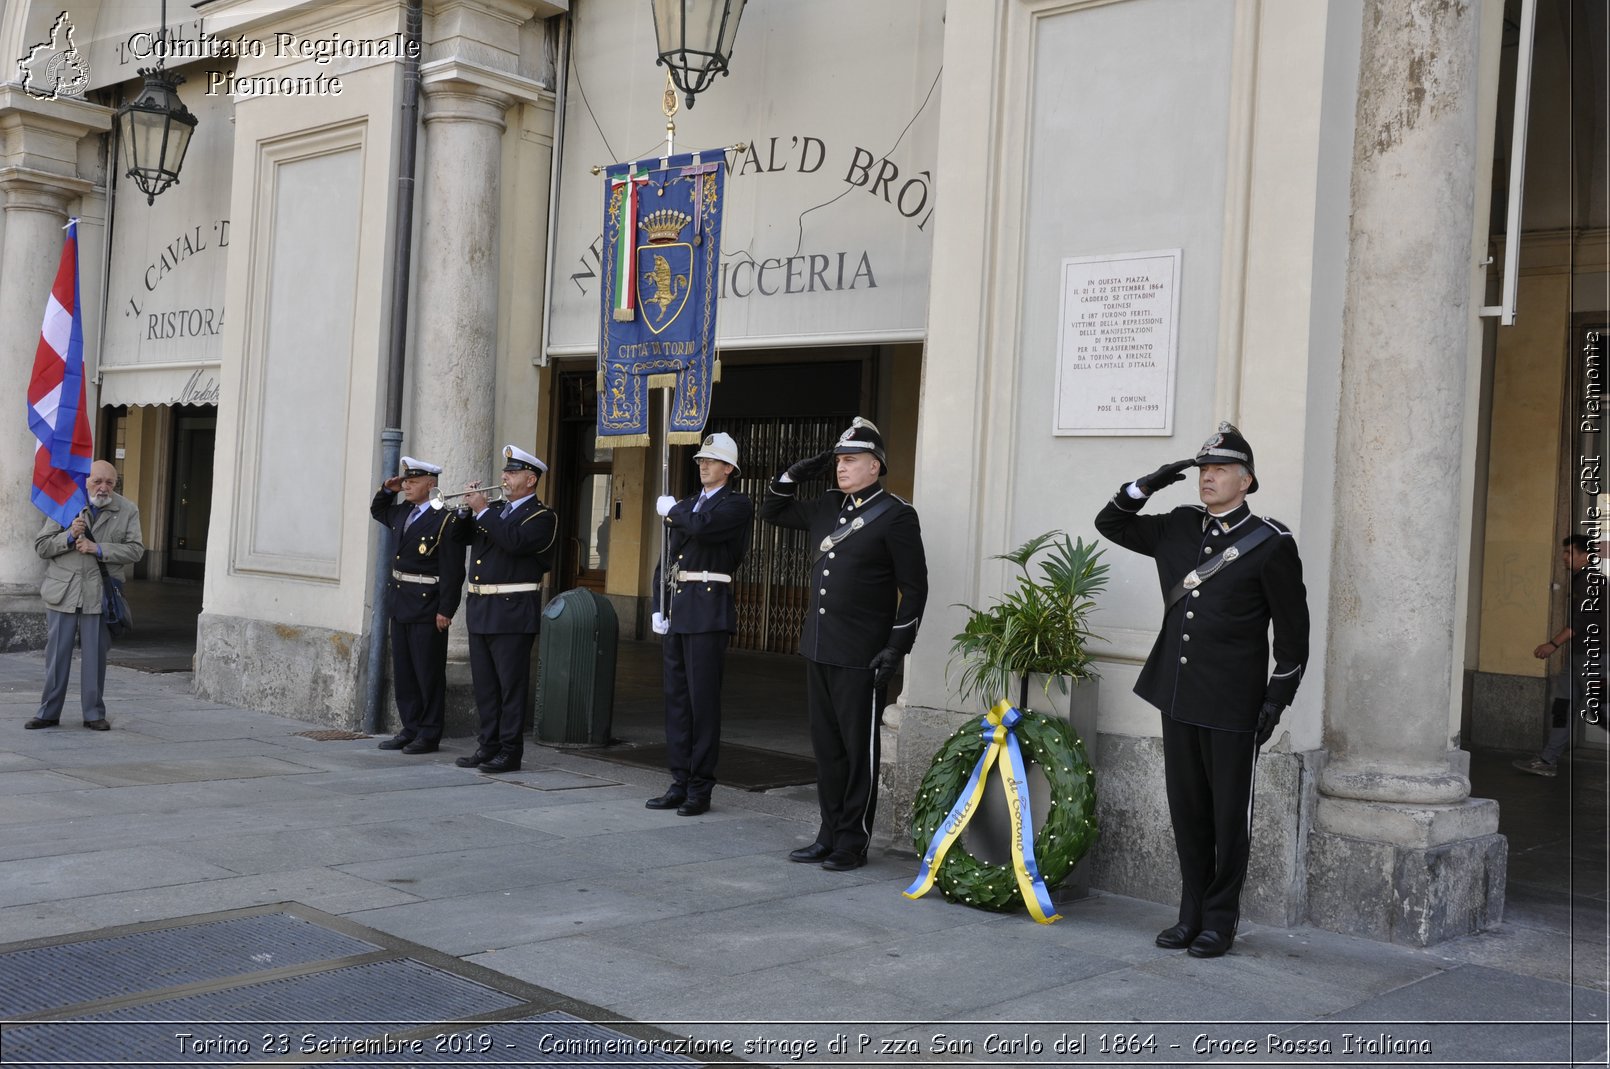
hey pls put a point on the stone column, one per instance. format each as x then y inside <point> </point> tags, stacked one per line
<point>454,361</point>
<point>1400,851</point>
<point>40,185</point>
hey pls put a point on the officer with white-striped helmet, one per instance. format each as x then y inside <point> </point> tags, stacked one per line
<point>868,586</point>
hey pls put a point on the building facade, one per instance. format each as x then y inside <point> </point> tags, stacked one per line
<point>1298,212</point>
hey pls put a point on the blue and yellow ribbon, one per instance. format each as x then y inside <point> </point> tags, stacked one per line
<point>996,730</point>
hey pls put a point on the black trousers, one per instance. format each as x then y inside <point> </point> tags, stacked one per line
<point>1208,774</point>
<point>419,678</point>
<point>845,713</point>
<point>693,665</point>
<point>500,666</point>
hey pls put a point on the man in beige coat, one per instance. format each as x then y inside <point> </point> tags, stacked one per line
<point>107,532</point>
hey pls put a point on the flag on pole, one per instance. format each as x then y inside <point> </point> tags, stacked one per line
<point>662,240</point>
<point>57,412</point>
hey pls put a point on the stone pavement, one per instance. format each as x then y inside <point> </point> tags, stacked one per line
<point>558,878</point>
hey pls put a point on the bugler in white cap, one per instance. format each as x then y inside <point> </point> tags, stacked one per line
<point>517,459</point>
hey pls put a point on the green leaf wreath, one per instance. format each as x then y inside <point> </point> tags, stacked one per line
<point>1070,825</point>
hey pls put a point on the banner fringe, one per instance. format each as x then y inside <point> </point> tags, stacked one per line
<point>685,438</point>
<point>622,441</point>
<point>660,382</point>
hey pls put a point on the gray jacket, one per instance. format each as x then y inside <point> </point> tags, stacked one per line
<point>72,579</point>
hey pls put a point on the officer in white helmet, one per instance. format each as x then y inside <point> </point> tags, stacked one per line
<point>707,535</point>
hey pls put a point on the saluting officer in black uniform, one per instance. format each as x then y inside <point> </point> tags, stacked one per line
<point>1225,574</point>
<point>708,535</point>
<point>869,583</point>
<point>511,546</point>
<point>427,580</point>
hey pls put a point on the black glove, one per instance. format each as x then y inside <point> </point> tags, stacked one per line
<point>883,666</point>
<point>1167,475</point>
<point>1268,717</point>
<point>812,467</point>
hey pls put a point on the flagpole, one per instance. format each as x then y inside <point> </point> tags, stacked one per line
<point>669,105</point>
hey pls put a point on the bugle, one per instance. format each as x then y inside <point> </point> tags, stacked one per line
<point>439,500</point>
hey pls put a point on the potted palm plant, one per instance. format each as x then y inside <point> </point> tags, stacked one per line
<point>1039,628</point>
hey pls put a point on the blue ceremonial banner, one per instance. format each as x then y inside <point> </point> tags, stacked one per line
<point>662,252</point>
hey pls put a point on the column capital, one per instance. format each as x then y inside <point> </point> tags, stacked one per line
<point>456,90</point>
<point>43,135</point>
<point>29,190</point>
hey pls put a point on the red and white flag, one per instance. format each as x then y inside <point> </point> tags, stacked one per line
<point>57,412</point>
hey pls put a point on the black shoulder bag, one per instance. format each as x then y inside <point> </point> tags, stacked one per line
<point>114,606</point>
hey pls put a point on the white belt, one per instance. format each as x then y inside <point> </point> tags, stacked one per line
<point>702,577</point>
<point>411,577</point>
<point>501,588</point>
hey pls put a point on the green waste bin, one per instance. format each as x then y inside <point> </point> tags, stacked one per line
<point>576,678</point>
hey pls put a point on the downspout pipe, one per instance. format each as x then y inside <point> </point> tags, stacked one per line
<point>391,435</point>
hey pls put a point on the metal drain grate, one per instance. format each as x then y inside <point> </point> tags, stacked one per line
<point>331,735</point>
<point>287,984</point>
<point>44,977</point>
<point>367,997</point>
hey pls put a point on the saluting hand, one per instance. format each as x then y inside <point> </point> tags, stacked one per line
<point>811,467</point>
<point>1167,475</point>
<point>394,484</point>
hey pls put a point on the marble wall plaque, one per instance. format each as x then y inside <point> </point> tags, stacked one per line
<point>1116,344</point>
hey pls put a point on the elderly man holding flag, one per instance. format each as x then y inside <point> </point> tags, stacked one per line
<point>88,537</point>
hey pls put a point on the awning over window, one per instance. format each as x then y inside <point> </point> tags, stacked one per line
<point>160,384</point>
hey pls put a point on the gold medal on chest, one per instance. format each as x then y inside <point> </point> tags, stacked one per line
<point>422,549</point>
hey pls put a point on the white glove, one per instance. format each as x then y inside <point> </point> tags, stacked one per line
<point>661,625</point>
<point>663,504</point>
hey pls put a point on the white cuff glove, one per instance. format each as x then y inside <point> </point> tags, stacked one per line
<point>663,504</point>
<point>661,625</point>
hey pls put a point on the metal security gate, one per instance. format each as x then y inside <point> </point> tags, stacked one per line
<point>772,591</point>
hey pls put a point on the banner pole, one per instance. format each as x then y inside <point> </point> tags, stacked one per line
<point>669,105</point>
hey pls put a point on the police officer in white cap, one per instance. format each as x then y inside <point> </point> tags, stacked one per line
<point>1226,576</point>
<point>427,580</point>
<point>869,583</point>
<point>511,547</point>
<point>707,535</point>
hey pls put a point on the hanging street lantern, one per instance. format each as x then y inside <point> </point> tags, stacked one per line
<point>155,128</point>
<point>695,40</point>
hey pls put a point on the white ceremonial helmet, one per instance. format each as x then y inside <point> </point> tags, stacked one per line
<point>719,446</point>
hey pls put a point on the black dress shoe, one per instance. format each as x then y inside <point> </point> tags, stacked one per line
<point>422,746</point>
<point>1178,937</point>
<point>98,725</point>
<point>476,759</point>
<point>1210,945</point>
<point>36,723</point>
<point>810,855</point>
<point>396,742</point>
<point>507,761</point>
<point>669,800</point>
<point>843,861</point>
<point>693,807</point>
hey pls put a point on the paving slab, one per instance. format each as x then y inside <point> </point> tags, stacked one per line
<point>209,770</point>
<point>479,923</point>
<point>44,781</point>
<point>273,851</point>
<point>67,876</point>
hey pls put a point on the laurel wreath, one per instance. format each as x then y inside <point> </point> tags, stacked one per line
<point>1065,837</point>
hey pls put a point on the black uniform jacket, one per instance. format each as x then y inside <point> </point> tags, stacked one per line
<point>518,549</point>
<point>1210,665</point>
<point>426,548</point>
<point>868,591</point>
<point>714,539</point>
